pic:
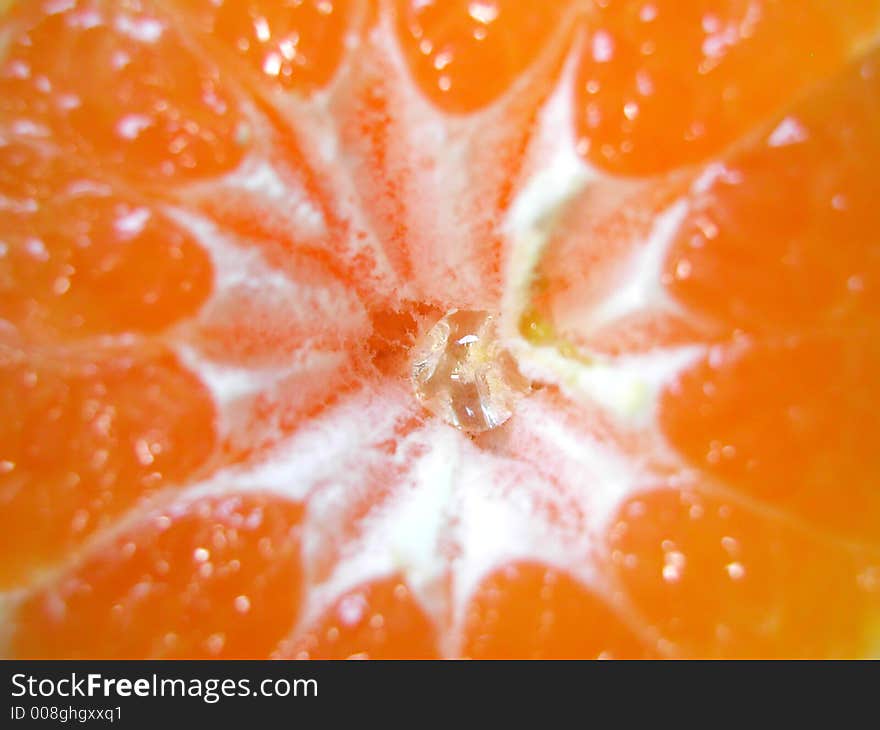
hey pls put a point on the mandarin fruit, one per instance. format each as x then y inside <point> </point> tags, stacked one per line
<point>231,230</point>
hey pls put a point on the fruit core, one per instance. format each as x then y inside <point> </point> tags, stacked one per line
<point>463,373</point>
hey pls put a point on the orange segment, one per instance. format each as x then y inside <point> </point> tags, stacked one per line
<point>219,577</point>
<point>115,82</point>
<point>787,229</point>
<point>296,44</point>
<point>663,83</point>
<point>380,620</point>
<point>784,235</point>
<point>78,259</point>
<point>466,53</point>
<point>529,611</point>
<point>83,439</point>
<point>717,581</point>
<point>794,423</point>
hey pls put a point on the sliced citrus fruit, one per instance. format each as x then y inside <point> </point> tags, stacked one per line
<point>229,228</point>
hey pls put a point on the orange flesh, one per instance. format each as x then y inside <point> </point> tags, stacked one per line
<point>295,44</point>
<point>166,115</point>
<point>111,115</point>
<point>765,222</point>
<point>723,63</point>
<point>525,611</point>
<point>86,439</point>
<point>81,260</point>
<point>379,621</point>
<point>219,578</point>
<point>465,54</point>
<point>786,410</point>
<point>715,581</point>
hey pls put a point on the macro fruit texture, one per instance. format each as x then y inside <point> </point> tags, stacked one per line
<point>227,225</point>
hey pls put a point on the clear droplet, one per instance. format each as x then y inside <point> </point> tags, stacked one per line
<point>463,373</point>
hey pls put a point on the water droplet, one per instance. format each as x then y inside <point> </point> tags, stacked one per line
<point>648,13</point>
<point>644,83</point>
<point>215,643</point>
<point>261,27</point>
<point>855,283</point>
<point>351,610</point>
<point>839,202</point>
<point>61,285</point>
<point>272,64</point>
<point>683,269</point>
<point>788,132</point>
<point>730,545</point>
<point>463,373</point>
<point>482,11</point>
<point>603,47</point>
<point>131,125</point>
